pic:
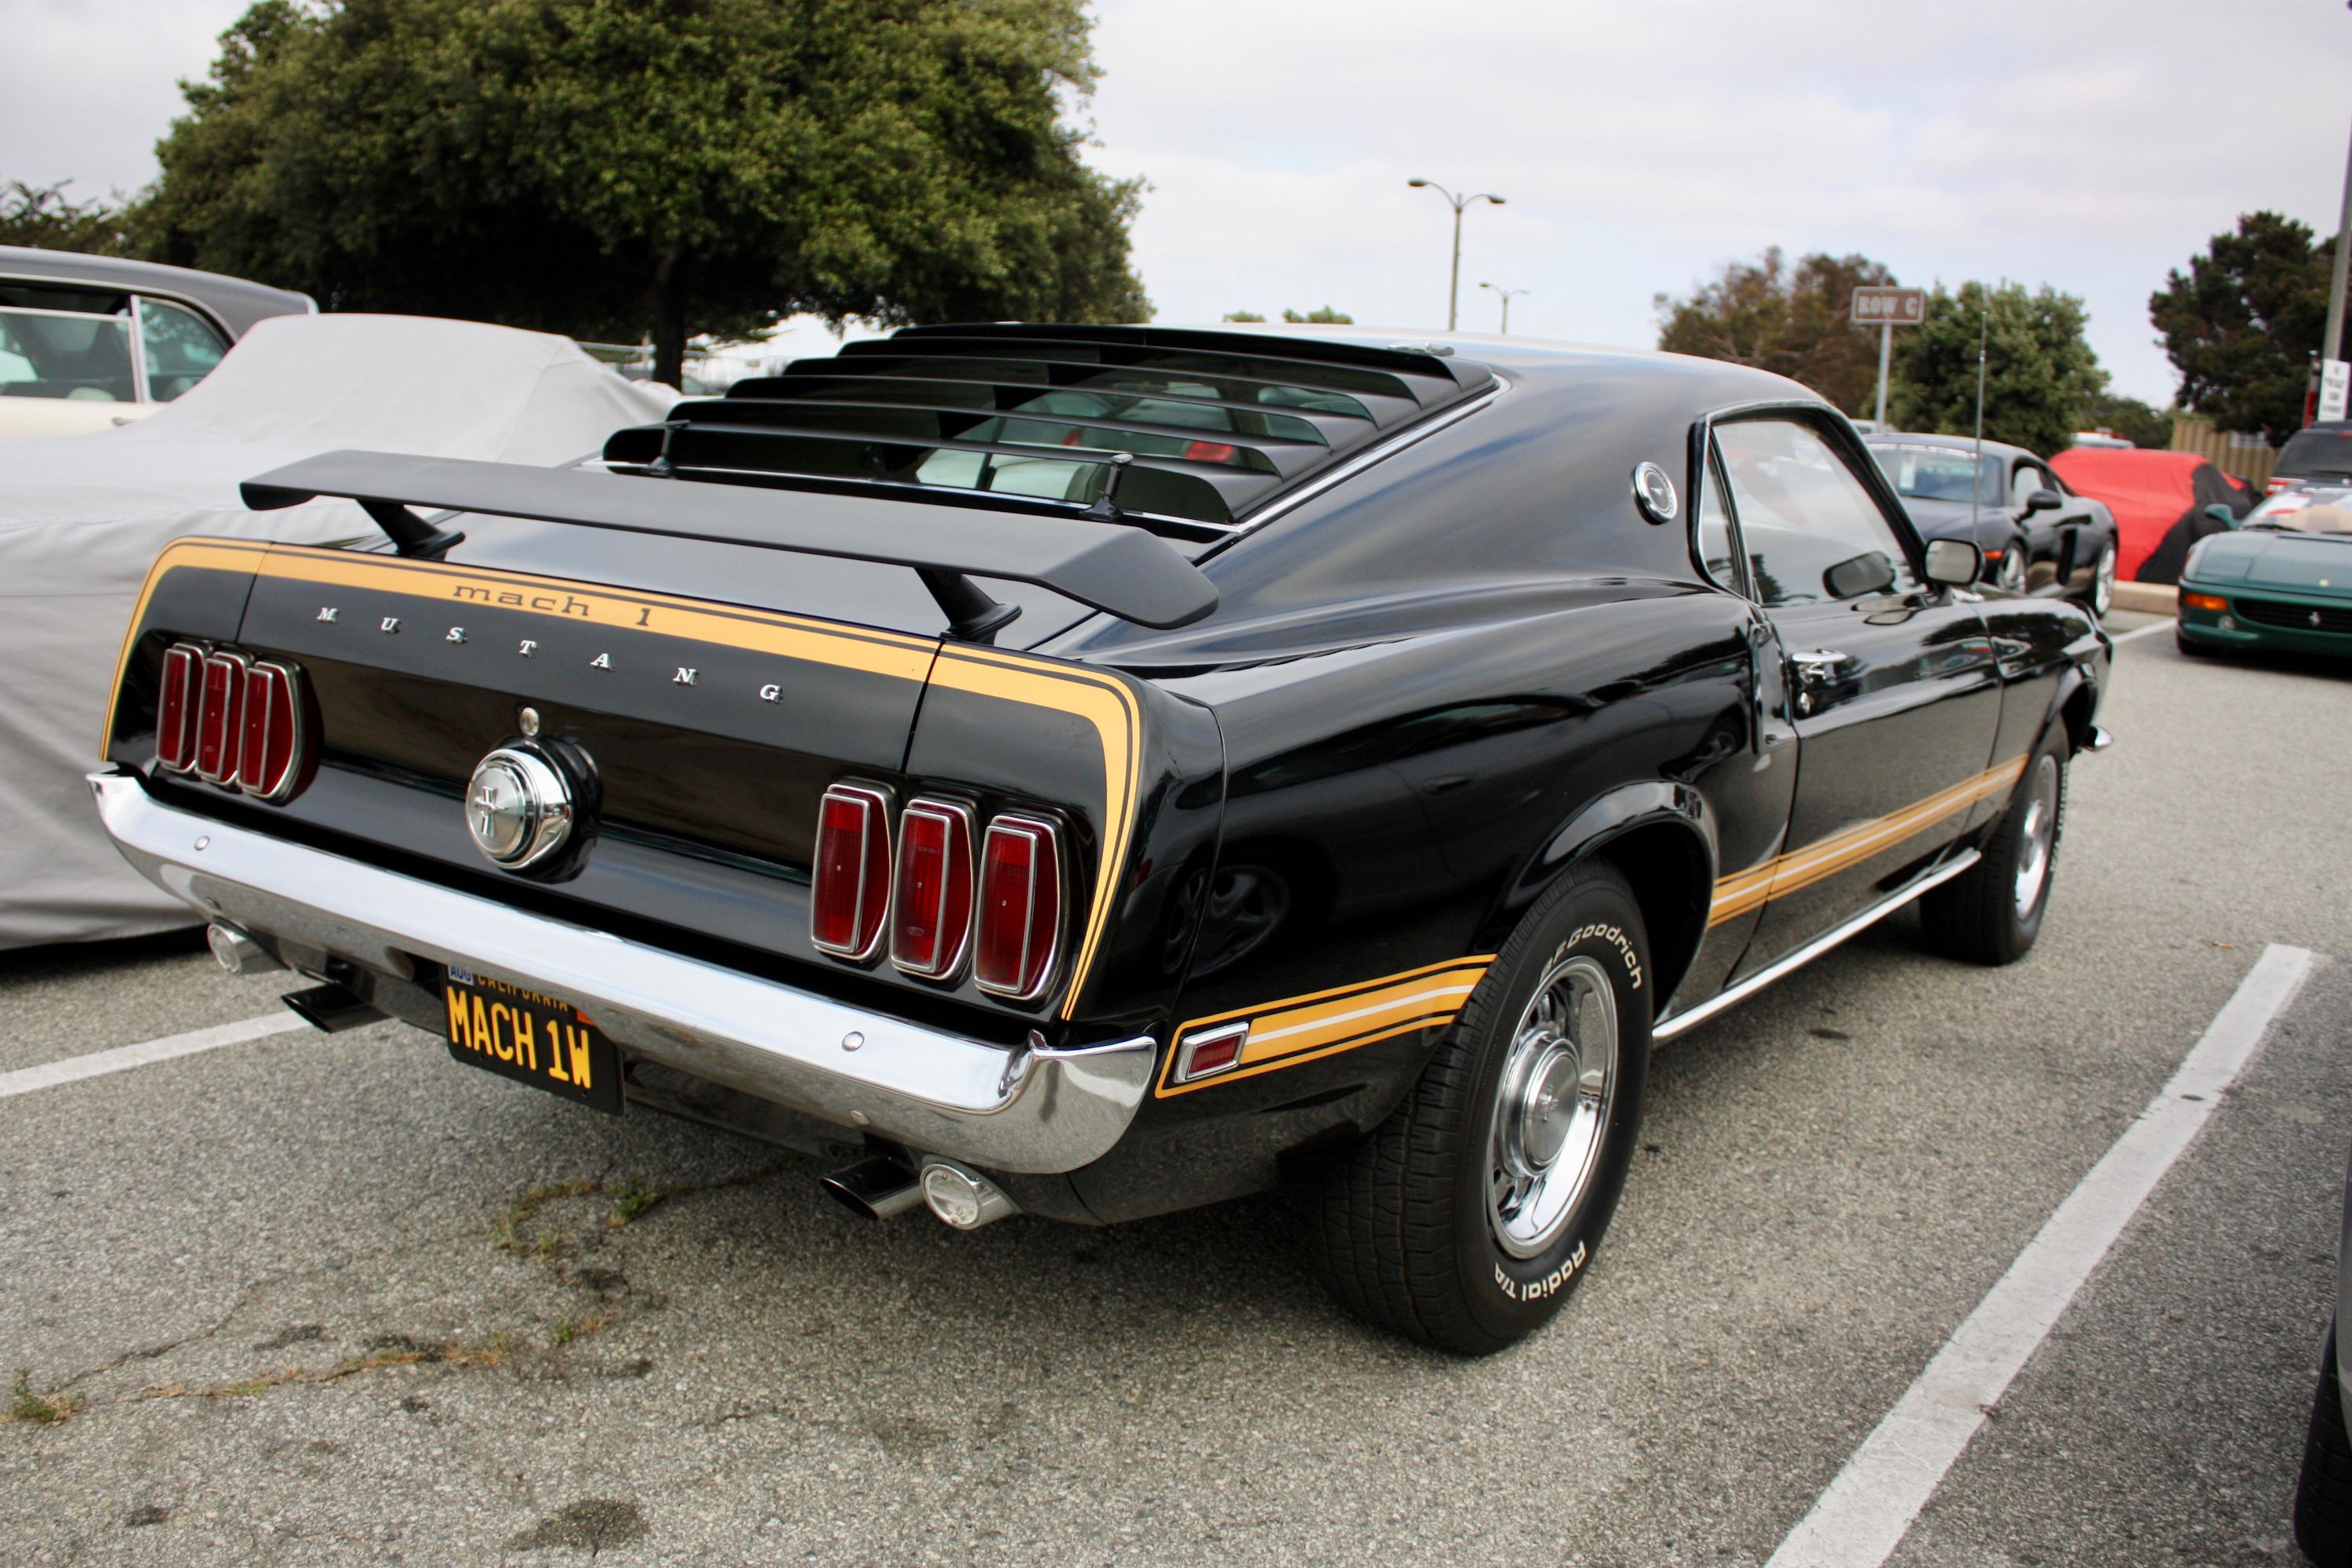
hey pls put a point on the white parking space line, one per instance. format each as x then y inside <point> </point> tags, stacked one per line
<point>73,1069</point>
<point>2143,631</point>
<point>1868,1509</point>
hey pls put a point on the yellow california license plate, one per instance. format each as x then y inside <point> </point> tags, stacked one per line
<point>533,1038</point>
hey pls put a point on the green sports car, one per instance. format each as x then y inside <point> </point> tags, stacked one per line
<point>2281,580</point>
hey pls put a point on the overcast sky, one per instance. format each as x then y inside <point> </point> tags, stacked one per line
<point>2081,143</point>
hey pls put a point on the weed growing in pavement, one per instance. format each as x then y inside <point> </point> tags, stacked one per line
<point>631,1200</point>
<point>48,1409</point>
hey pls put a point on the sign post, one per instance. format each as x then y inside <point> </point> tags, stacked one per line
<point>1890,308</point>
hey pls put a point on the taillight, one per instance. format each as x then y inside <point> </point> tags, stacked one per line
<point>177,706</point>
<point>930,898</point>
<point>220,727</point>
<point>1020,907</point>
<point>269,760</point>
<point>1209,451</point>
<point>851,874</point>
<point>234,720</point>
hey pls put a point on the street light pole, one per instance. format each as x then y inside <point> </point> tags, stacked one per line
<point>1454,288</point>
<point>2332,345</point>
<point>1506,294</point>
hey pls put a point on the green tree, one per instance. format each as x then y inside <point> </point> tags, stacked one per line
<point>2242,324</point>
<point>1792,321</point>
<point>612,167</point>
<point>1244,316</point>
<point>1323,316</point>
<point>44,216</point>
<point>2136,421</point>
<point>2040,372</point>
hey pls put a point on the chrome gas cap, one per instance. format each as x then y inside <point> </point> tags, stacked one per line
<point>519,808</point>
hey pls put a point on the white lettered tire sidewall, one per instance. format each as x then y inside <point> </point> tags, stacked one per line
<point>1591,914</point>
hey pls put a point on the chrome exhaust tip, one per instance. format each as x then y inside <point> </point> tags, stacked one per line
<point>236,951</point>
<point>878,1186</point>
<point>962,1197</point>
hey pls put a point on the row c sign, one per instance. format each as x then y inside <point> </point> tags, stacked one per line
<point>1876,306</point>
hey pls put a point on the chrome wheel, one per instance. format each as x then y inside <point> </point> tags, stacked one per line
<point>2038,833</point>
<point>2103,582</point>
<point>1552,1107</point>
<point>2011,574</point>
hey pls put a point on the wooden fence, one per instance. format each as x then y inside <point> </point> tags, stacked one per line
<point>2250,458</point>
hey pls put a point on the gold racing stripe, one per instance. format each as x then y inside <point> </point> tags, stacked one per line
<point>1103,701</point>
<point>1738,894</point>
<point>1325,1023</point>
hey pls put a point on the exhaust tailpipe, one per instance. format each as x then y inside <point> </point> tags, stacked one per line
<point>332,1008</point>
<point>236,951</point>
<point>964,1197</point>
<point>876,1186</point>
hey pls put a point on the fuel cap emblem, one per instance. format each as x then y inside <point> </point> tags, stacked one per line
<point>519,808</point>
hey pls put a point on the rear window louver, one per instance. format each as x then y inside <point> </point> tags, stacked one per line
<point>1187,431</point>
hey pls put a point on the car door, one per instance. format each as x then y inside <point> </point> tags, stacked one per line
<point>2055,553</point>
<point>1891,680</point>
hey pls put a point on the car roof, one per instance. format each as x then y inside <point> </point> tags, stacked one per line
<point>1949,443</point>
<point>234,303</point>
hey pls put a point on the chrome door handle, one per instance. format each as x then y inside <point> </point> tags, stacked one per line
<point>1818,664</point>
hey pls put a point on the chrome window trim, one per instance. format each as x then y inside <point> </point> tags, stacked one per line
<point>1051,835</point>
<point>140,391</point>
<point>1409,436</point>
<point>866,798</point>
<point>955,813</point>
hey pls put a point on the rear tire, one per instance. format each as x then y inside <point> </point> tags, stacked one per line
<point>1464,1219</point>
<point>2323,1496</point>
<point>1991,913</point>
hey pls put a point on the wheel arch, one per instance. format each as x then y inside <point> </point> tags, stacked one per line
<point>1661,836</point>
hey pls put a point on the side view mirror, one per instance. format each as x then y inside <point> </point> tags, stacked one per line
<point>2043,501</point>
<point>1869,572</point>
<point>1956,562</point>
<point>2222,514</point>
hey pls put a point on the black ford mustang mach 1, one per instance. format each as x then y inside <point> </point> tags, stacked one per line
<point>1098,771</point>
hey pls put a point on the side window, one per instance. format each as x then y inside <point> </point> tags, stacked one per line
<point>59,342</point>
<point>2029,480</point>
<point>181,349</point>
<point>1812,531</point>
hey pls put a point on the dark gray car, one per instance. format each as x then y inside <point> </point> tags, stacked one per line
<point>2037,537</point>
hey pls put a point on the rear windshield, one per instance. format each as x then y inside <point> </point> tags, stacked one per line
<point>2316,452</point>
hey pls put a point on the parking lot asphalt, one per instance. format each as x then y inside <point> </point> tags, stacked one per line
<point>337,1299</point>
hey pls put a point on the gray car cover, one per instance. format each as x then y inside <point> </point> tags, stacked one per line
<point>83,517</point>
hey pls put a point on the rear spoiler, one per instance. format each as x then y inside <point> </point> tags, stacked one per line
<point>1111,566</point>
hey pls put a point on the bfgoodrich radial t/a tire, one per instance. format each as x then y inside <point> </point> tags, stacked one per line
<point>1991,913</point>
<point>1466,1218</point>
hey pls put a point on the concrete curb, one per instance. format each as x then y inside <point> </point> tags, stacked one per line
<point>2148,598</point>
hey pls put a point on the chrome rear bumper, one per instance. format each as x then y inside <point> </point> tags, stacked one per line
<point>1030,1108</point>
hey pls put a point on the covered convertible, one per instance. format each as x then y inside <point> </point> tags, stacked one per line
<point>2159,501</point>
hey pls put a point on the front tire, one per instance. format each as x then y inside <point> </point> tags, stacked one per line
<point>1992,912</point>
<point>2103,582</point>
<point>2010,576</point>
<point>1465,1219</point>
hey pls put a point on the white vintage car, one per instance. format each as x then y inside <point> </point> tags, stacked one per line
<point>88,342</point>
